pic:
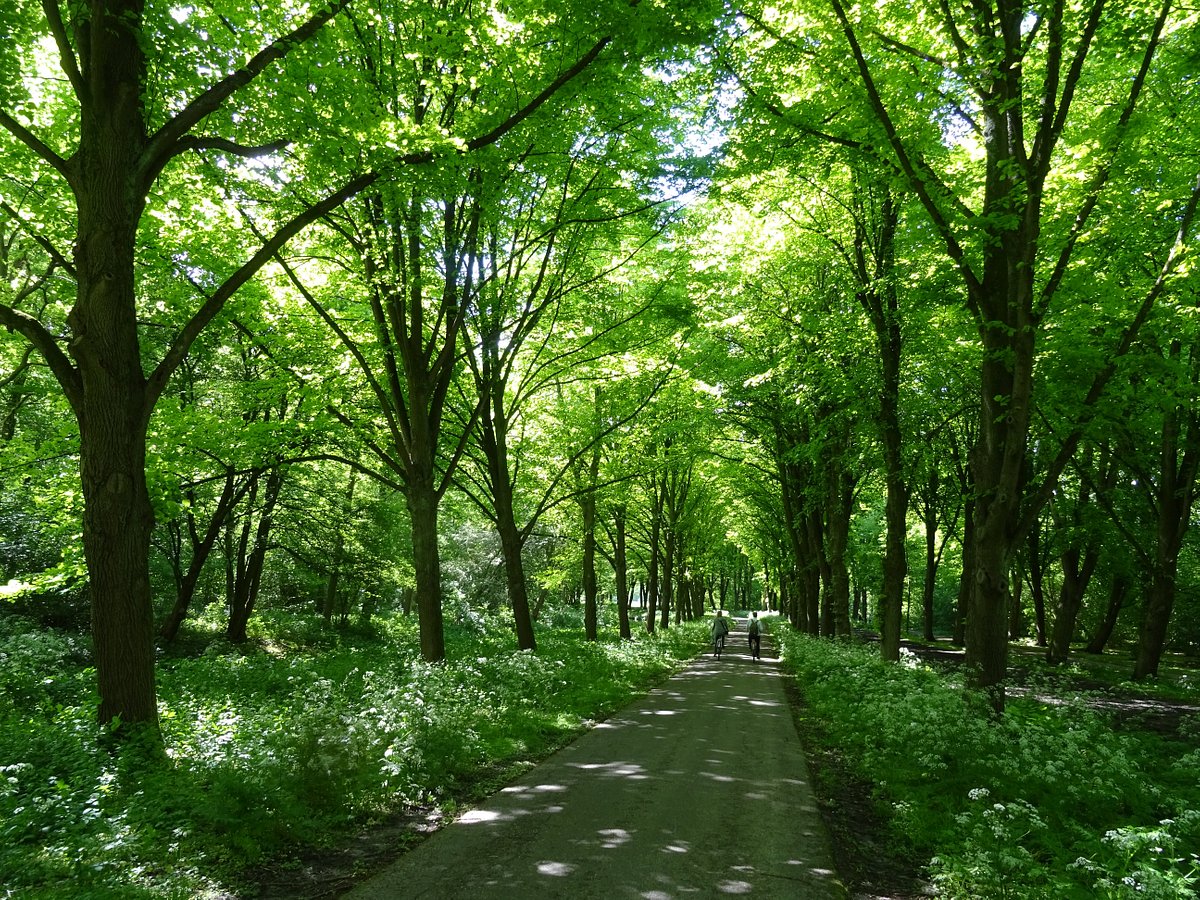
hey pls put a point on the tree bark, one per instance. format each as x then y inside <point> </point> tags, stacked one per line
<point>656,511</point>
<point>112,406</point>
<point>494,438</point>
<point>621,571</point>
<point>252,558</point>
<point>1077,575</point>
<point>201,551</point>
<point>1116,600</point>
<point>1179,462</point>
<point>839,507</point>
<point>332,583</point>
<point>422,500</point>
<point>876,221</point>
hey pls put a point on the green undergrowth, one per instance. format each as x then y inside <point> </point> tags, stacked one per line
<point>1050,801</point>
<point>279,747</point>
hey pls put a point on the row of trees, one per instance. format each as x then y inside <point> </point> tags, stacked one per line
<point>983,202</point>
<point>289,285</point>
<point>247,250</point>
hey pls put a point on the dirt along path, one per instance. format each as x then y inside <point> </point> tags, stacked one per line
<point>699,789</point>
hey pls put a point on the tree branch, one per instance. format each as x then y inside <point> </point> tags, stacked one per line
<point>188,142</point>
<point>1090,402</point>
<point>1100,178</point>
<point>43,341</point>
<point>167,142</point>
<point>66,53</point>
<point>532,106</point>
<point>51,251</point>
<point>213,304</point>
<point>912,171</point>
<point>34,143</point>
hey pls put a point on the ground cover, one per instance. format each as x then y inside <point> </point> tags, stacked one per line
<point>1062,798</point>
<point>275,750</point>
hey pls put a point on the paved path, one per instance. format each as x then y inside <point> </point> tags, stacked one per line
<point>698,790</point>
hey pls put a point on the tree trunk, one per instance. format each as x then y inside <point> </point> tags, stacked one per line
<point>493,433</point>
<point>621,572</point>
<point>837,534</point>
<point>1076,576</point>
<point>339,551</point>
<point>1116,600</point>
<point>963,602</point>
<point>876,227</point>
<point>668,578</point>
<point>246,588</point>
<point>112,404</point>
<point>1176,490</point>
<point>201,551</point>
<point>1016,603</point>
<point>422,503</point>
<point>1037,584</point>
<point>588,502</point>
<point>931,556</point>
<point>655,538</point>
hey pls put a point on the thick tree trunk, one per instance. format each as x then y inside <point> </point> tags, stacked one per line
<point>998,467</point>
<point>422,503</point>
<point>112,407</point>
<point>117,523</point>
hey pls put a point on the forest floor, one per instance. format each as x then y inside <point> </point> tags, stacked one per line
<point>1097,680</point>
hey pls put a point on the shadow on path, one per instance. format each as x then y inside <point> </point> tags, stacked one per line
<point>700,789</point>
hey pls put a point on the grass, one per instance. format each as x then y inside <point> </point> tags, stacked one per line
<point>1049,802</point>
<point>283,746</point>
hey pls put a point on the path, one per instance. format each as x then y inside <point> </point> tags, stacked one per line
<point>700,789</point>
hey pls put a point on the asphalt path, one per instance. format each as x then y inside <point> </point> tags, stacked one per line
<point>698,790</point>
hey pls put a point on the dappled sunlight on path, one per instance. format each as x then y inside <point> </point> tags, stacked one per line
<point>701,789</point>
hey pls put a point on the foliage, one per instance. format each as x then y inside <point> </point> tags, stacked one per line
<point>1049,801</point>
<point>277,748</point>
